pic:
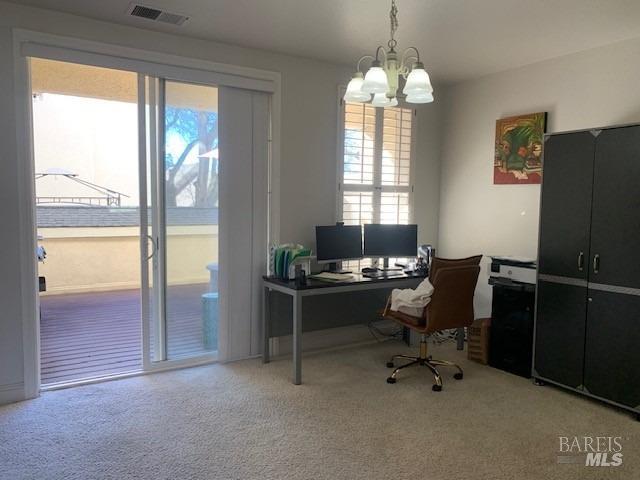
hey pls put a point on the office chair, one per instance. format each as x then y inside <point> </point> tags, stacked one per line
<point>451,306</point>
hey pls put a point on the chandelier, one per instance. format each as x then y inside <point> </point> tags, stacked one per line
<point>383,77</point>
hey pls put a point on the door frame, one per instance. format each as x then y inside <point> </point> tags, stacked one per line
<point>26,44</point>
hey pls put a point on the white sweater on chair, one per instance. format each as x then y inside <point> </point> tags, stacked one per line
<point>410,301</point>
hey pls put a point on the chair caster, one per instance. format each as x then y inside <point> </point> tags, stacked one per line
<point>437,388</point>
<point>458,376</point>
<point>391,380</point>
<point>538,382</point>
<point>390,365</point>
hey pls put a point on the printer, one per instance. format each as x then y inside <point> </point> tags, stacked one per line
<point>515,269</point>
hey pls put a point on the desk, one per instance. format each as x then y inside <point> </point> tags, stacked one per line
<point>318,287</point>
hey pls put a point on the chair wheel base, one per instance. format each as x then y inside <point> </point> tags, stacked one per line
<point>390,365</point>
<point>437,388</point>
<point>458,376</point>
<point>391,380</point>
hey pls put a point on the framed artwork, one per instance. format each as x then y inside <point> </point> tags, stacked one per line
<point>518,153</point>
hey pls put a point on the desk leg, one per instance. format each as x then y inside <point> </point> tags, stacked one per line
<point>460,338</point>
<point>266,324</point>
<point>297,338</point>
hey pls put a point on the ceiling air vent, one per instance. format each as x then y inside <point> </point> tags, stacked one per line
<point>156,15</point>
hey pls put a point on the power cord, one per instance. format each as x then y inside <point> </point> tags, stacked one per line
<point>444,336</point>
<point>381,335</point>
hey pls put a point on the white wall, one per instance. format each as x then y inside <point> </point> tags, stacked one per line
<point>594,88</point>
<point>308,147</point>
<point>426,197</point>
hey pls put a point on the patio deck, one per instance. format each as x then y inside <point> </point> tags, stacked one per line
<point>89,335</point>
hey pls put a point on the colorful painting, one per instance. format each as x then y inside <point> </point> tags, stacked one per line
<point>518,156</point>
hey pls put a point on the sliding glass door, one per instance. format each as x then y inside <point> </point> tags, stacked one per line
<point>197,206</point>
<point>181,218</point>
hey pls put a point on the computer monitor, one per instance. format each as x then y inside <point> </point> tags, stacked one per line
<point>338,242</point>
<point>385,240</point>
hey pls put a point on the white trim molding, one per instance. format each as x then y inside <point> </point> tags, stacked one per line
<point>13,392</point>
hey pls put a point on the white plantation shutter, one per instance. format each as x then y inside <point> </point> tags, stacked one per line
<point>357,208</point>
<point>394,207</point>
<point>374,178</point>
<point>375,168</point>
<point>359,144</point>
<point>396,147</point>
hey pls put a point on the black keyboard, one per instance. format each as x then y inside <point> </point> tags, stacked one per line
<point>381,274</point>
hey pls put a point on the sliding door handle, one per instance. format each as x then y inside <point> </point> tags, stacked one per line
<point>154,247</point>
<point>596,263</point>
<point>581,261</point>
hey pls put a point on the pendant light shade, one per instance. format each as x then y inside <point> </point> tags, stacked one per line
<point>354,91</point>
<point>381,100</point>
<point>420,97</point>
<point>375,81</point>
<point>418,81</point>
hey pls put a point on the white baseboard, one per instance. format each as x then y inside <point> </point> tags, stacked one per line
<point>13,392</point>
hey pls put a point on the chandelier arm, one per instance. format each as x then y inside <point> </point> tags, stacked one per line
<point>380,47</point>
<point>364,57</point>
<point>405,67</point>
<point>404,54</point>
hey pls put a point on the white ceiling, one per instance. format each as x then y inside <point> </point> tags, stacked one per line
<point>458,39</point>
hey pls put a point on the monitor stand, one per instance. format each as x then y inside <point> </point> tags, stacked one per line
<point>386,268</point>
<point>334,268</point>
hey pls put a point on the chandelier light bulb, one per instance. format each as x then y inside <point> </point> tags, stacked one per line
<point>381,100</point>
<point>375,81</point>
<point>354,91</point>
<point>420,97</point>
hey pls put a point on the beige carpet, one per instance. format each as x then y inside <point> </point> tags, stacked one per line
<point>247,421</point>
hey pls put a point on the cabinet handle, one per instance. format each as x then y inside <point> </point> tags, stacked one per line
<point>581,261</point>
<point>596,263</point>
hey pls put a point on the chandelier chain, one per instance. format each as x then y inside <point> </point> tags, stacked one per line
<point>393,17</point>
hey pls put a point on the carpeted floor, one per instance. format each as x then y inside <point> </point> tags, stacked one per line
<point>247,421</point>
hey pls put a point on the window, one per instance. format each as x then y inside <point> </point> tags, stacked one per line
<point>375,181</point>
<point>375,164</point>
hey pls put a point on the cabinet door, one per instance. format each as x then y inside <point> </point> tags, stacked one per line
<point>615,229</point>
<point>511,339</point>
<point>612,353</point>
<point>565,213</point>
<point>560,331</point>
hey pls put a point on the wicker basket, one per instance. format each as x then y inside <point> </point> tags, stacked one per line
<point>478,340</point>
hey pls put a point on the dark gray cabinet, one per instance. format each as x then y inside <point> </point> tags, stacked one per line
<point>587,325</point>
<point>612,353</point>
<point>565,213</point>
<point>615,226</point>
<point>560,332</point>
